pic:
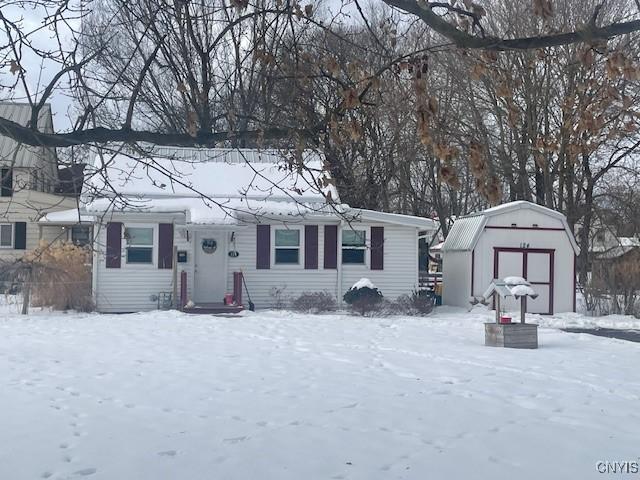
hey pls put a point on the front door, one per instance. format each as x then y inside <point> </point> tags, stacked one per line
<point>210,276</point>
<point>536,266</point>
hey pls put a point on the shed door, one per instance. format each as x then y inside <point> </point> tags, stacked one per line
<point>510,264</point>
<point>536,266</point>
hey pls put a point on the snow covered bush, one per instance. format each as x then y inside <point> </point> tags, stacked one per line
<point>315,302</point>
<point>62,278</point>
<point>363,296</point>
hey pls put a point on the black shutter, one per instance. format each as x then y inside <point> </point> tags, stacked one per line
<point>114,244</point>
<point>311,247</point>
<point>263,247</point>
<point>377,248</point>
<point>165,245</point>
<point>330,246</point>
<point>20,236</point>
<point>6,182</point>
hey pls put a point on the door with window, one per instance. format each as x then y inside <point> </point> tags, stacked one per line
<point>536,266</point>
<point>210,274</point>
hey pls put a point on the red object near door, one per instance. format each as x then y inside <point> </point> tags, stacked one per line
<point>504,319</point>
<point>228,299</point>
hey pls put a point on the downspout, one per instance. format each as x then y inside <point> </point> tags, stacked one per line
<point>94,266</point>
<point>339,262</point>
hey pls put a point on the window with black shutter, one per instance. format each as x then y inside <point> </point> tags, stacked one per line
<point>6,182</point>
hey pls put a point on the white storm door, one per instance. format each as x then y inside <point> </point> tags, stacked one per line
<point>210,276</point>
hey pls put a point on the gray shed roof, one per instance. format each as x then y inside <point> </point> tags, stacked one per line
<point>13,153</point>
<point>466,231</point>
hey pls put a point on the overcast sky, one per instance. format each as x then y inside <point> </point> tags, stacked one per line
<point>39,73</point>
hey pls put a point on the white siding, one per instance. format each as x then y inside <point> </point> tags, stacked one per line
<point>457,265</point>
<point>130,287</point>
<point>456,278</point>
<point>291,280</point>
<point>546,239</point>
<point>400,274</point>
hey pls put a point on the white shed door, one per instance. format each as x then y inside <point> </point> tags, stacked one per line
<point>210,277</point>
<point>535,266</point>
<point>539,272</point>
<point>510,264</point>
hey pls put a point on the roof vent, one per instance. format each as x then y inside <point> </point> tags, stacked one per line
<point>535,225</point>
<point>514,224</point>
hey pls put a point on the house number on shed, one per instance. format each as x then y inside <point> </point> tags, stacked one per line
<point>209,245</point>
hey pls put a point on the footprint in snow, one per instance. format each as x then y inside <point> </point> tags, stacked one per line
<point>46,474</point>
<point>236,439</point>
<point>168,453</point>
<point>85,472</point>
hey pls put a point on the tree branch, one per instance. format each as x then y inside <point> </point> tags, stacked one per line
<point>102,135</point>
<point>465,40</point>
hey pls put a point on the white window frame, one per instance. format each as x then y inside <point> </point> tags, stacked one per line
<point>154,245</point>
<point>13,233</point>
<point>365,247</point>
<point>300,247</point>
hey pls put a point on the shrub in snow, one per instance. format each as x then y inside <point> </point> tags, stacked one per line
<point>363,296</point>
<point>315,302</point>
<point>56,276</point>
<point>414,304</point>
<point>278,298</point>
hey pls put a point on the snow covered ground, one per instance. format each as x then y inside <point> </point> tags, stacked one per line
<point>277,395</point>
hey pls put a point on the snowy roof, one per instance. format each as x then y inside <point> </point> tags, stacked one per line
<point>624,245</point>
<point>67,217</point>
<point>214,173</point>
<point>466,231</point>
<point>220,186</point>
<point>436,247</point>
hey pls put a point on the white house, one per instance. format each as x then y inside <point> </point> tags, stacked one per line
<point>219,212</point>
<point>515,239</point>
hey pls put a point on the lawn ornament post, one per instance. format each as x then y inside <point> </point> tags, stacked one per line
<point>513,335</point>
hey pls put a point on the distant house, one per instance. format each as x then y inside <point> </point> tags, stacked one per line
<point>615,262</point>
<point>220,212</point>
<point>520,239</point>
<point>29,178</point>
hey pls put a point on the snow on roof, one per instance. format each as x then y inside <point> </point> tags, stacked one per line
<point>523,291</point>
<point>437,246</point>
<point>466,231</point>
<point>214,173</point>
<point>394,218</point>
<point>66,217</point>
<point>222,186</point>
<point>629,241</point>
<point>220,211</point>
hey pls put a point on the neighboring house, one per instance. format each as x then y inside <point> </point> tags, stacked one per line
<point>515,239</point>
<point>228,211</point>
<point>29,178</point>
<point>615,262</point>
<point>605,245</point>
